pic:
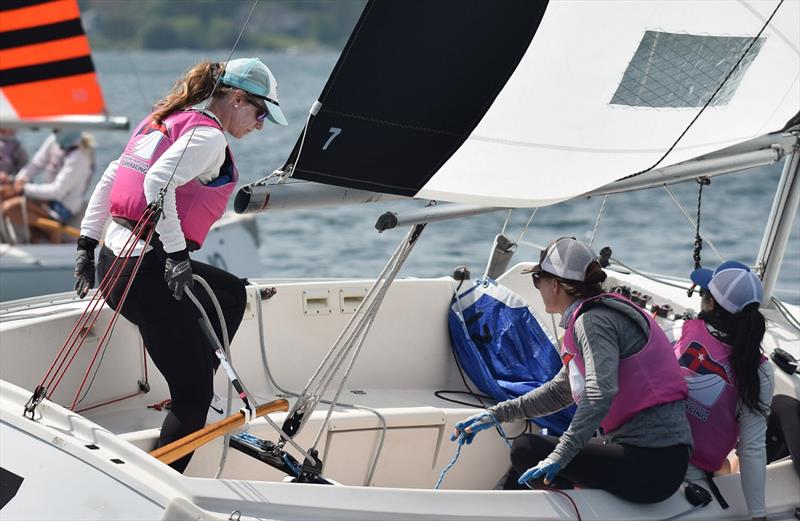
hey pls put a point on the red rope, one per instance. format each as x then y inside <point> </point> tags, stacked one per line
<point>112,322</point>
<point>109,402</point>
<point>91,313</point>
<point>91,307</point>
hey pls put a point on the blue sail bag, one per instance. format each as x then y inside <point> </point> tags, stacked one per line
<point>503,348</point>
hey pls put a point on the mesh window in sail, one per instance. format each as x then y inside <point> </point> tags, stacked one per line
<point>684,70</point>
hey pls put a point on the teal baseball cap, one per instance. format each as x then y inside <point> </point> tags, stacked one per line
<point>252,76</point>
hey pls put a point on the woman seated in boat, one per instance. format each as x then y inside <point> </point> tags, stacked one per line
<point>730,385</point>
<point>620,370</point>
<point>179,150</point>
<point>12,155</point>
<point>66,161</point>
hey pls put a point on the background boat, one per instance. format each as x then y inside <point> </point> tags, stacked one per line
<point>48,80</point>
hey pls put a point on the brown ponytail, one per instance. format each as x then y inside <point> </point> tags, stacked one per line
<point>195,86</point>
<point>591,285</point>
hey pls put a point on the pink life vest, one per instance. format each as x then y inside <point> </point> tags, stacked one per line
<point>199,206</point>
<point>713,397</point>
<point>645,379</point>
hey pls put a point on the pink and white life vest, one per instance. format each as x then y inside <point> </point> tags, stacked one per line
<point>645,379</point>
<point>705,365</point>
<point>199,205</point>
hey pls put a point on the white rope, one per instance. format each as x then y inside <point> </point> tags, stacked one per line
<point>311,112</point>
<point>692,222</point>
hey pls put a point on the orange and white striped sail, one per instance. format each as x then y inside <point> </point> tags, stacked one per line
<point>46,68</point>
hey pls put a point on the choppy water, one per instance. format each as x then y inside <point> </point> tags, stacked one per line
<point>645,229</point>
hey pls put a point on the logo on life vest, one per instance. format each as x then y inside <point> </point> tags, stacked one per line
<point>145,145</point>
<point>708,381</point>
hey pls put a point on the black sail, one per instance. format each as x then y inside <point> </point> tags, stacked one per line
<point>409,87</point>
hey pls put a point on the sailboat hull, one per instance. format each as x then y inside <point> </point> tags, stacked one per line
<point>405,359</point>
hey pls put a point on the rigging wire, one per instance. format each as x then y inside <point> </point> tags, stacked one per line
<point>710,99</point>
<point>163,190</point>
<point>508,218</point>
<point>597,221</point>
<point>692,222</point>
<point>271,379</point>
<point>525,228</point>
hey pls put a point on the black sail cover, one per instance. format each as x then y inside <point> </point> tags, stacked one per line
<point>409,88</point>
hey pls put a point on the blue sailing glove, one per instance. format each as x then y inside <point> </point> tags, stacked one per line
<point>547,468</point>
<point>471,426</point>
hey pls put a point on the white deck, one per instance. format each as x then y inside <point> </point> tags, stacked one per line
<point>401,366</point>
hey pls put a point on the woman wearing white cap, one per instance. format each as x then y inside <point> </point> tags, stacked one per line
<point>65,161</point>
<point>179,150</point>
<point>620,371</point>
<point>730,386</point>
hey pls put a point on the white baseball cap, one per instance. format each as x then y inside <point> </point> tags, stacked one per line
<point>732,285</point>
<point>566,258</point>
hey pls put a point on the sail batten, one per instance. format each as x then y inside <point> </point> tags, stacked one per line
<point>514,104</point>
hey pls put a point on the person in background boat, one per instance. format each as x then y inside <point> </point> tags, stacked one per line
<point>620,370</point>
<point>181,144</point>
<point>730,385</point>
<point>12,155</point>
<point>66,162</point>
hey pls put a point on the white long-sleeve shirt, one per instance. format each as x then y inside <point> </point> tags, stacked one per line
<point>202,160</point>
<point>751,447</point>
<point>65,175</point>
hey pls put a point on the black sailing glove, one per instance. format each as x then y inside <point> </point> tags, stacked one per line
<point>178,273</point>
<point>84,265</point>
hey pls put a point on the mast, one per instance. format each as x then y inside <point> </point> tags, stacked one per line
<point>779,225</point>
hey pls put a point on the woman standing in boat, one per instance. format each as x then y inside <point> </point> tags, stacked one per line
<point>730,386</point>
<point>620,371</point>
<point>178,150</point>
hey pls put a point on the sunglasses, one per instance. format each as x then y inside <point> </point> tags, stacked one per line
<point>703,292</point>
<point>262,112</point>
<point>537,278</point>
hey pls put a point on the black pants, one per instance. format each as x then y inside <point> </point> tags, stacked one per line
<point>783,430</point>
<point>638,474</point>
<point>172,336</point>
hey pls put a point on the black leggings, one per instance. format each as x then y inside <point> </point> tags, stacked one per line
<point>638,474</point>
<point>172,336</point>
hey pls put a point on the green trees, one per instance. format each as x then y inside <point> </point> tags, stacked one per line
<point>215,24</point>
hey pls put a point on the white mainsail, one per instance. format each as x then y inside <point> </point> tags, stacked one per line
<point>528,104</point>
<point>553,132</point>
